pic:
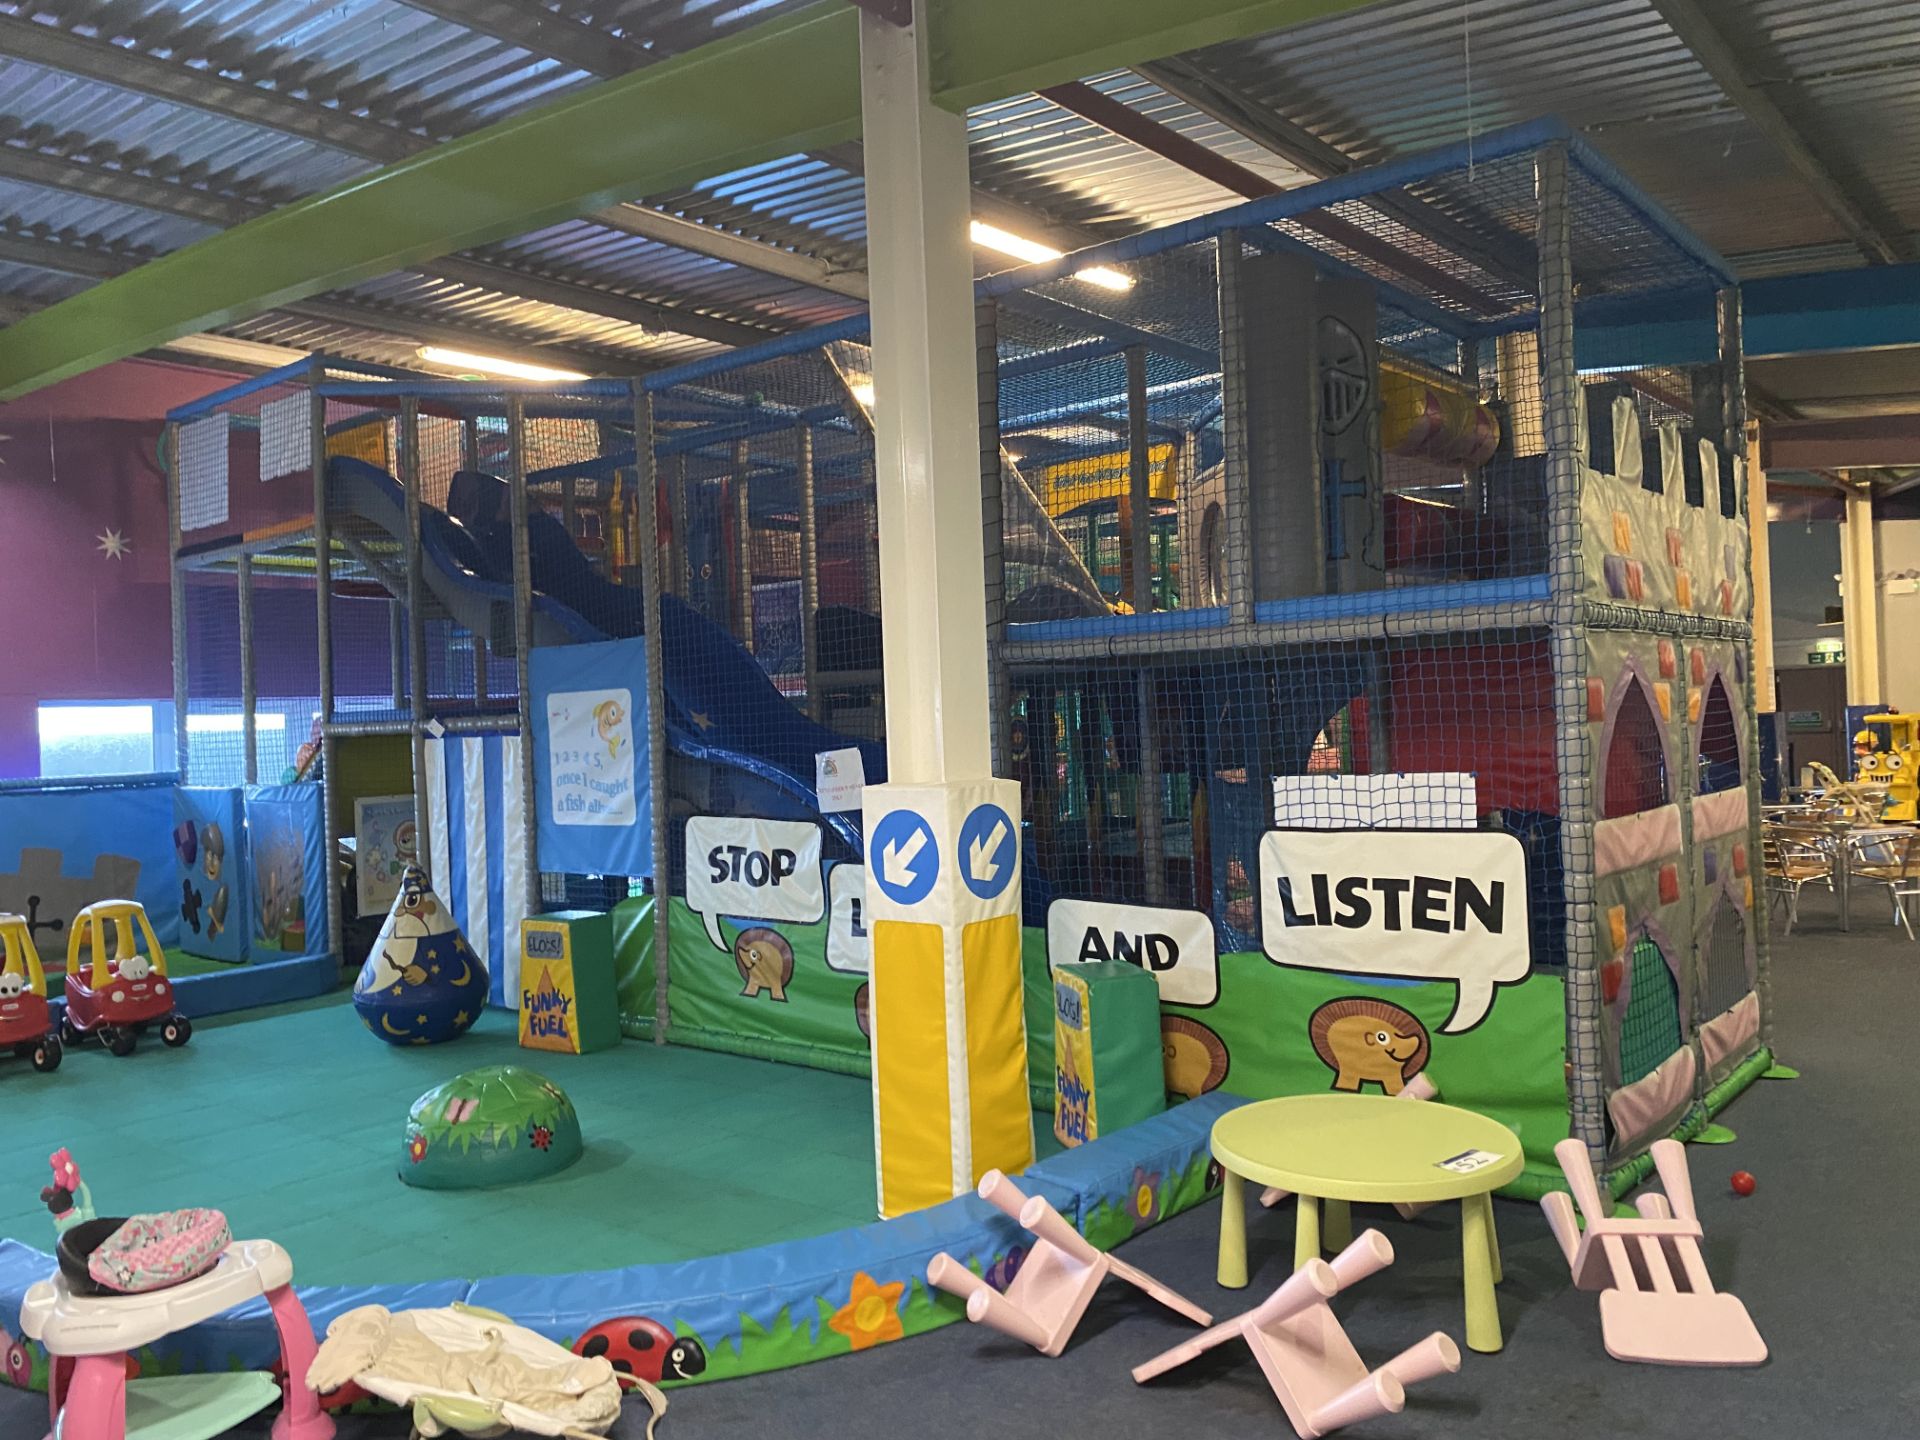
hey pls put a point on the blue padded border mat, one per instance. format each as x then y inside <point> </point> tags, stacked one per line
<point>711,1296</point>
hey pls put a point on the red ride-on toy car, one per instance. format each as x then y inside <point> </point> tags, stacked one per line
<point>26,1022</point>
<point>114,998</point>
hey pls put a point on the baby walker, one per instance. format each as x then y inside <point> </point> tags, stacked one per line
<point>89,1324</point>
<point>116,997</point>
<point>26,1022</point>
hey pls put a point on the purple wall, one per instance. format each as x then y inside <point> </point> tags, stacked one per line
<point>75,624</point>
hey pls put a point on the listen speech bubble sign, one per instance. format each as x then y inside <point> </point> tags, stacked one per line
<point>1443,905</point>
<point>755,869</point>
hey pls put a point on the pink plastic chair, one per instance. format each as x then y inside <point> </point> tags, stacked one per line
<point>1055,1282</point>
<point>1317,1375</point>
<point>1658,1305</point>
<point>1418,1088</point>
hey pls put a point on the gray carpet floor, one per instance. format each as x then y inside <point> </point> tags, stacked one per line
<point>1822,1254</point>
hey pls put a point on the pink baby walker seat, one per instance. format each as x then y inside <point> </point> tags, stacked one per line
<point>124,1284</point>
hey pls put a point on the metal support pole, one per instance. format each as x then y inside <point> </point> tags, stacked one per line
<point>249,680</point>
<point>646,482</point>
<point>1235,404</point>
<point>1860,598</point>
<point>323,632</point>
<point>742,545</point>
<point>416,624</point>
<point>397,654</point>
<point>523,636</point>
<point>1567,640</point>
<point>177,601</point>
<point>993,533</point>
<point>1139,485</point>
<point>809,572</point>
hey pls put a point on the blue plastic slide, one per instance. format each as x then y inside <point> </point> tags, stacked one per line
<point>721,706</point>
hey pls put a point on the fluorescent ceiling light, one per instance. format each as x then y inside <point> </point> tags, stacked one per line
<point>240,352</point>
<point>466,360</point>
<point>992,237</point>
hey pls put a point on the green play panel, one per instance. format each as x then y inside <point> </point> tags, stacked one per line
<point>179,966</point>
<point>292,1120</point>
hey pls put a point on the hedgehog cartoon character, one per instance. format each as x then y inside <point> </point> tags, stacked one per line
<point>765,962</point>
<point>1368,1042</point>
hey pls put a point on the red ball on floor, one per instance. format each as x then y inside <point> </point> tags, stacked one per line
<point>1743,1182</point>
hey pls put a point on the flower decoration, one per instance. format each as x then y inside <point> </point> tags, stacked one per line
<point>541,1136</point>
<point>1143,1197</point>
<point>66,1174</point>
<point>871,1315</point>
<point>416,1147</point>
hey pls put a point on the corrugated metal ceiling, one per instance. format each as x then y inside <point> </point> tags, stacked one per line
<point>369,79</point>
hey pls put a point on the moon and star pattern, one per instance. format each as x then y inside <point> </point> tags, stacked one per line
<point>422,983</point>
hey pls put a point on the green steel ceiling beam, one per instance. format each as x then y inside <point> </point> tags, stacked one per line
<point>778,87</point>
<point>984,50</point>
<point>789,85</point>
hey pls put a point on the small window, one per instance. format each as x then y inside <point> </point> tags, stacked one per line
<point>1719,757</point>
<point>109,739</point>
<point>1636,774</point>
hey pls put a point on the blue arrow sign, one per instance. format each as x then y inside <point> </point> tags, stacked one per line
<point>903,857</point>
<point>989,851</point>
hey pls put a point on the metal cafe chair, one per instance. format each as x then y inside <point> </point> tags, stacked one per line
<point>1794,858</point>
<point>1891,859</point>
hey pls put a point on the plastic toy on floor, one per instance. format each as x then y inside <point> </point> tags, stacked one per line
<point>1421,1087</point>
<point>467,1371</point>
<point>26,1021</point>
<point>116,996</point>
<point>1658,1304</point>
<point>1054,1284</point>
<point>89,1336</point>
<point>1316,1374</point>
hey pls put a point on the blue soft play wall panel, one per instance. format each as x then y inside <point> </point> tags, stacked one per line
<point>214,903</point>
<point>287,842</point>
<point>591,783</point>
<point>62,849</point>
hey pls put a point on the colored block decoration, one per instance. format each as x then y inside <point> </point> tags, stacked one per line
<point>214,894</point>
<point>1617,926</point>
<point>1614,569</point>
<point>1669,662</point>
<point>568,993</point>
<point>1650,1030</point>
<point>1663,696</point>
<point>1693,707</point>
<point>1676,546</point>
<point>1726,598</point>
<point>1697,666</point>
<point>1622,531</point>
<point>1683,589</point>
<point>1710,866</point>
<point>1669,883</point>
<point>1740,859</point>
<point>1108,1066</point>
<point>1596,700</point>
<point>1636,581</point>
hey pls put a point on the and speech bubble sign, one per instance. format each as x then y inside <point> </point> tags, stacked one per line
<point>754,869</point>
<point>849,950</point>
<point>1448,906</point>
<point>1176,947</point>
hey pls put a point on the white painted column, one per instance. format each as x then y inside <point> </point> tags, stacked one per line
<point>1860,600</point>
<point>943,836</point>
<point>1757,523</point>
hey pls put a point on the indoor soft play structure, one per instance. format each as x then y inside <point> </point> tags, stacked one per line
<point>1450,542</point>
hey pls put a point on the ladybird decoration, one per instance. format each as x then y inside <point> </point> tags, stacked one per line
<point>644,1349</point>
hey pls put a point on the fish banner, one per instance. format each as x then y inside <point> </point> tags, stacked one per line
<point>591,781</point>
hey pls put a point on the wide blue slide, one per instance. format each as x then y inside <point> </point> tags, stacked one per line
<point>722,708</point>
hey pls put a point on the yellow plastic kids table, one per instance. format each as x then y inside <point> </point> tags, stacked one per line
<point>1342,1148</point>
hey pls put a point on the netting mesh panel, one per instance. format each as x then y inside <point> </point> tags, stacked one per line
<point>247,464</point>
<point>1725,979</point>
<point>286,659</point>
<point>216,753</point>
<point>1717,759</point>
<point>1650,1030</point>
<point>1151,781</point>
<point>368,619</point>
